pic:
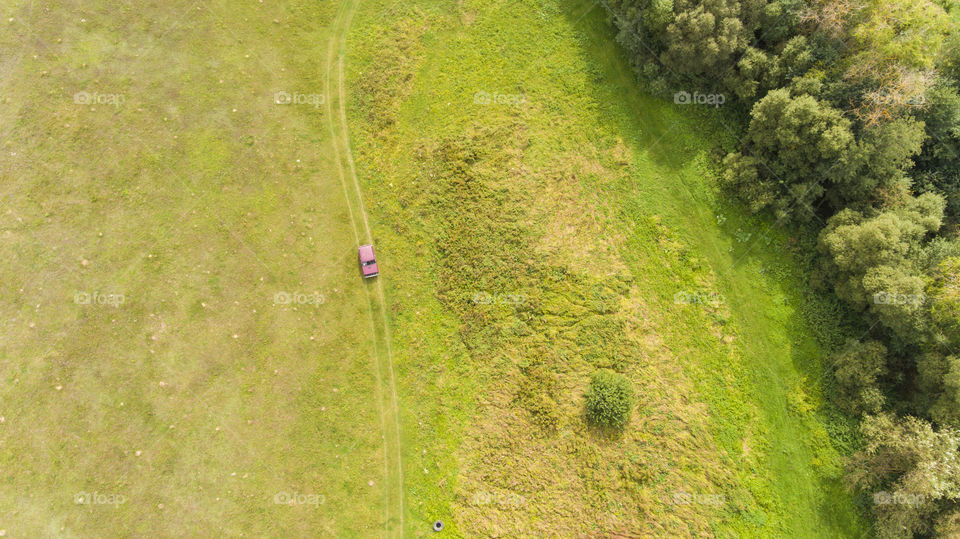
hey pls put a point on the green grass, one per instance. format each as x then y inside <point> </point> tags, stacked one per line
<point>523,246</point>
<point>198,199</point>
<point>597,205</point>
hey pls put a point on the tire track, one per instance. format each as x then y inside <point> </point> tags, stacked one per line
<point>376,300</point>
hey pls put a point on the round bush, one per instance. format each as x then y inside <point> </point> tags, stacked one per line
<point>609,399</point>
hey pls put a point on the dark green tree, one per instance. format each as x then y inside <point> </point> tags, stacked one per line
<point>938,379</point>
<point>943,291</point>
<point>911,472</point>
<point>795,149</point>
<point>872,259</point>
<point>858,367</point>
<point>938,165</point>
<point>704,37</point>
<point>609,400</point>
<point>884,154</point>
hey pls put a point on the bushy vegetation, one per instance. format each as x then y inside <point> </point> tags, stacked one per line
<point>609,399</point>
<point>915,469</point>
<point>849,117</point>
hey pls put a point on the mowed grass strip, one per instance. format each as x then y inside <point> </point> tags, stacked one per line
<point>542,218</point>
<point>145,157</point>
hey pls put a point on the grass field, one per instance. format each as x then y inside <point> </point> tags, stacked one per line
<point>203,398</point>
<point>186,341</point>
<point>566,222</point>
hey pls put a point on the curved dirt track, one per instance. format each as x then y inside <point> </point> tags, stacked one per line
<point>336,120</point>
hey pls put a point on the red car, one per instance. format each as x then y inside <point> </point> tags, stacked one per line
<point>368,262</point>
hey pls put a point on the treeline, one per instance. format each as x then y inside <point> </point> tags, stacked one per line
<point>849,128</point>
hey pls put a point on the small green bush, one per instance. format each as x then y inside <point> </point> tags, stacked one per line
<point>609,399</point>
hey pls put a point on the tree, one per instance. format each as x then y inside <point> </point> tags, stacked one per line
<point>897,299</point>
<point>799,149</point>
<point>854,243</point>
<point>609,400</point>
<point>915,468</point>
<point>858,366</point>
<point>657,15</point>
<point>704,36</point>
<point>885,152</point>
<point>938,370</point>
<point>758,72</point>
<point>890,33</point>
<point>895,44</point>
<point>938,378</point>
<point>872,260</point>
<point>938,165</point>
<point>795,148</point>
<point>944,293</point>
<point>714,44</point>
<point>950,58</point>
<point>948,525</point>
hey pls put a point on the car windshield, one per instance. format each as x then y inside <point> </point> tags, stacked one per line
<point>369,262</point>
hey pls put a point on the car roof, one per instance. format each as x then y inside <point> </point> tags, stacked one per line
<point>366,250</point>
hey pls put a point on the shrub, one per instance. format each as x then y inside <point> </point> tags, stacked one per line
<point>609,399</point>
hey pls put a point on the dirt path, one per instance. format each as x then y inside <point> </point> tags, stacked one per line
<point>336,119</point>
